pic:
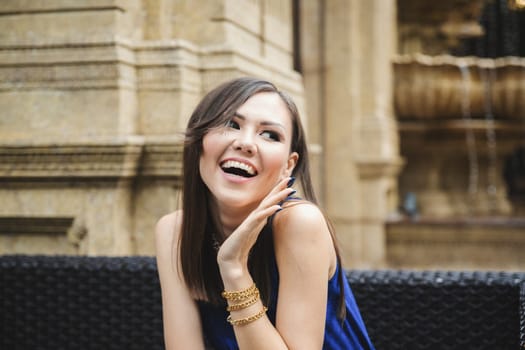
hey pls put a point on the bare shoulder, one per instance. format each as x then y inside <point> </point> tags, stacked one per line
<point>302,221</point>
<point>302,236</point>
<point>181,319</point>
<point>301,218</point>
<point>167,231</point>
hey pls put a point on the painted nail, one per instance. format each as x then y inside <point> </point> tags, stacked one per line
<point>291,182</point>
<point>292,193</point>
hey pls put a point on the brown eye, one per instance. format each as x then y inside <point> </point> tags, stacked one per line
<point>272,135</point>
<point>232,124</point>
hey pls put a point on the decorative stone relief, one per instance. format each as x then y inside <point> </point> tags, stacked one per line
<point>430,87</point>
<point>13,225</point>
<point>70,160</point>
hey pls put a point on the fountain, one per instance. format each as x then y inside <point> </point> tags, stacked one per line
<point>460,119</point>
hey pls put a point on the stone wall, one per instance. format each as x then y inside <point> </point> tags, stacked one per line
<point>93,97</point>
<point>95,93</point>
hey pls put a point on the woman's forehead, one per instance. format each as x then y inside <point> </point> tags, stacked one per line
<point>267,107</point>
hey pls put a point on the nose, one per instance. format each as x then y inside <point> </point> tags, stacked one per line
<point>245,144</point>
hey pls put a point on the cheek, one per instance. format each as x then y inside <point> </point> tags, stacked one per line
<point>208,141</point>
<point>277,161</point>
<point>209,145</point>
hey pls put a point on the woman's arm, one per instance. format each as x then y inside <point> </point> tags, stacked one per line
<point>305,255</point>
<point>182,326</point>
<point>306,260</point>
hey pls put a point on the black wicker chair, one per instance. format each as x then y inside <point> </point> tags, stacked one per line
<point>79,303</point>
<point>63,302</point>
<point>442,310</point>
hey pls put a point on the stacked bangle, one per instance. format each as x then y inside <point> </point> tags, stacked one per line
<point>241,294</point>
<point>246,320</point>
<point>241,300</point>
<point>245,304</point>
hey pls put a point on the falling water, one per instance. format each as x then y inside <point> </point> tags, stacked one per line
<point>488,78</point>
<point>469,134</point>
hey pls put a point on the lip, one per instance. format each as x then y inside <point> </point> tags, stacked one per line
<point>236,178</point>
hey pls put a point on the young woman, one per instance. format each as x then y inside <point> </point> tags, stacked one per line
<point>246,264</point>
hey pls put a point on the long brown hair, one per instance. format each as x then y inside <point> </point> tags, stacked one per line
<point>200,223</point>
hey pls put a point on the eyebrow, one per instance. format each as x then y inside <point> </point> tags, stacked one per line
<point>240,116</point>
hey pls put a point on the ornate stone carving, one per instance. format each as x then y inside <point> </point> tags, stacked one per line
<point>162,158</point>
<point>97,160</point>
<point>115,160</point>
<point>76,232</point>
<point>31,234</point>
<point>508,92</point>
<point>434,27</point>
<point>429,87</point>
<point>13,225</point>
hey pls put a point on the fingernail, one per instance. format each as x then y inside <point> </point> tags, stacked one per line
<point>278,210</point>
<point>291,182</point>
<point>292,193</point>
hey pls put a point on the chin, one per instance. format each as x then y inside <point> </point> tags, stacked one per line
<point>238,199</point>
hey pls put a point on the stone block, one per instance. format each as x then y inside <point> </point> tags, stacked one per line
<point>495,243</point>
<point>43,23</point>
<point>41,29</point>
<point>104,212</point>
<point>166,112</point>
<point>198,26</point>
<point>63,114</point>
<point>153,199</point>
<point>241,40</point>
<point>48,234</point>
<point>277,25</point>
<point>277,56</point>
<point>244,14</point>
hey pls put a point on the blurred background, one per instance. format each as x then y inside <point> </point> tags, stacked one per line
<point>415,114</point>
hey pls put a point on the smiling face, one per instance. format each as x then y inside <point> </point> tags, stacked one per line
<point>243,160</point>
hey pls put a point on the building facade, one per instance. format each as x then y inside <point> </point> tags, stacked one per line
<point>96,93</point>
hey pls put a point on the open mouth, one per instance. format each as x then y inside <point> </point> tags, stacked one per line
<point>237,168</point>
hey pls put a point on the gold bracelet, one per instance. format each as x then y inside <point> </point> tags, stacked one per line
<point>240,295</point>
<point>246,320</point>
<point>244,305</point>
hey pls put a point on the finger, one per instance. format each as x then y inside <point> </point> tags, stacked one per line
<point>276,198</point>
<point>267,212</point>
<point>282,184</point>
<point>289,181</point>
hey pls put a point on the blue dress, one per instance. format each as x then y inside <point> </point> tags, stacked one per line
<point>347,335</point>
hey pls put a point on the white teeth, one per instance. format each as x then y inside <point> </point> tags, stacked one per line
<point>234,164</point>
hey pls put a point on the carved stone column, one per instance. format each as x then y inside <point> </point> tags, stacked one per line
<point>349,74</point>
<point>375,131</point>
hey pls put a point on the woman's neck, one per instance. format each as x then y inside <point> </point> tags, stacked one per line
<point>232,217</point>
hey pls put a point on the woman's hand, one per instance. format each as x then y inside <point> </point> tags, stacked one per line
<point>233,253</point>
